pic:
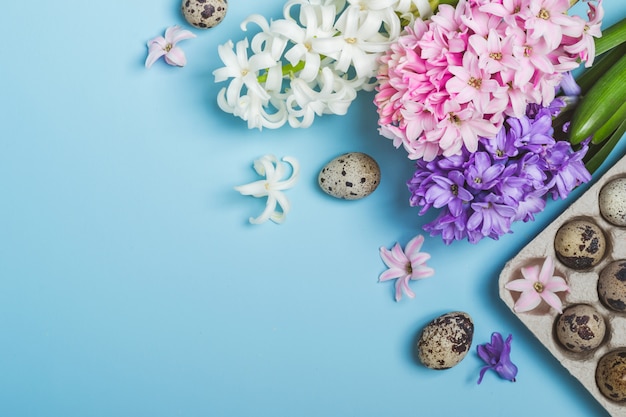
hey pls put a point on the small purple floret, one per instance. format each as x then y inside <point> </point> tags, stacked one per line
<point>497,357</point>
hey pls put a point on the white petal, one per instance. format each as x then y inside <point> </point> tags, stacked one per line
<point>255,189</point>
<point>257,19</point>
<point>270,206</point>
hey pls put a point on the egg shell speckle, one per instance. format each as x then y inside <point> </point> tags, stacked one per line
<point>580,328</point>
<point>445,341</point>
<point>204,14</point>
<point>580,244</point>
<point>612,201</point>
<point>612,285</point>
<point>611,375</point>
<point>350,176</point>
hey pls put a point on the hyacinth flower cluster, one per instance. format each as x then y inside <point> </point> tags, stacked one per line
<point>452,79</point>
<point>311,62</point>
<point>507,179</point>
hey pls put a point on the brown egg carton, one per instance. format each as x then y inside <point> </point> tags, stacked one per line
<point>583,286</point>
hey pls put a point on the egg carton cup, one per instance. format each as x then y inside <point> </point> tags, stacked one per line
<point>583,286</point>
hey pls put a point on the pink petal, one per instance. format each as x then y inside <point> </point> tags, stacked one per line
<point>556,284</point>
<point>176,56</point>
<point>399,255</point>
<point>520,285</point>
<point>414,245</point>
<point>527,301</point>
<point>456,84</point>
<point>404,284</point>
<point>388,259</point>
<point>531,273</point>
<point>390,274</point>
<point>421,271</point>
<point>420,258</point>
<point>552,299</point>
<point>159,41</point>
<point>181,35</point>
<point>547,270</point>
<point>153,56</point>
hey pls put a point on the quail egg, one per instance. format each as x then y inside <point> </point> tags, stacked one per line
<point>204,14</point>
<point>611,375</point>
<point>612,201</point>
<point>580,244</point>
<point>612,285</point>
<point>350,176</point>
<point>445,341</point>
<point>580,328</point>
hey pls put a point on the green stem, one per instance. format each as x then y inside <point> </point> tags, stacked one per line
<point>287,69</point>
<point>434,4</point>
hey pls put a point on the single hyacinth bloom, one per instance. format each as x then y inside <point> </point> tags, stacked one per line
<point>166,47</point>
<point>277,205</point>
<point>536,285</point>
<point>406,265</point>
<point>497,357</point>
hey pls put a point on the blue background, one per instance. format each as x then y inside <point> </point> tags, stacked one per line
<point>131,283</point>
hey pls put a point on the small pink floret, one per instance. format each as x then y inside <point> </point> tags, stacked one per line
<point>166,47</point>
<point>536,285</point>
<point>404,266</point>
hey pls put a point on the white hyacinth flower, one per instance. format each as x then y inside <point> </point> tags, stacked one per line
<point>277,206</point>
<point>358,44</point>
<point>305,102</point>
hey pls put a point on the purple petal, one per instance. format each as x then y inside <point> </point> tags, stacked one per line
<point>569,85</point>
<point>506,369</point>
<point>482,373</point>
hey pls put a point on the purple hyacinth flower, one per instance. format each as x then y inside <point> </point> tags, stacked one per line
<point>448,191</point>
<point>533,169</point>
<point>450,227</point>
<point>502,147</point>
<point>483,174</point>
<point>497,356</point>
<point>519,128</point>
<point>540,134</point>
<point>533,202</point>
<point>568,168</point>
<point>491,217</point>
<point>555,106</point>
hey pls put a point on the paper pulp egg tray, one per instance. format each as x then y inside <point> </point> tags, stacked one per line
<point>583,283</point>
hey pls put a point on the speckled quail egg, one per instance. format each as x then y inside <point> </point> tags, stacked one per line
<point>445,341</point>
<point>612,201</point>
<point>580,244</point>
<point>350,176</point>
<point>611,375</point>
<point>580,328</point>
<point>612,285</point>
<point>204,14</point>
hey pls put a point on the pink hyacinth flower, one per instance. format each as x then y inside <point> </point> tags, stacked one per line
<point>166,47</point>
<point>547,20</point>
<point>406,265</point>
<point>537,285</point>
